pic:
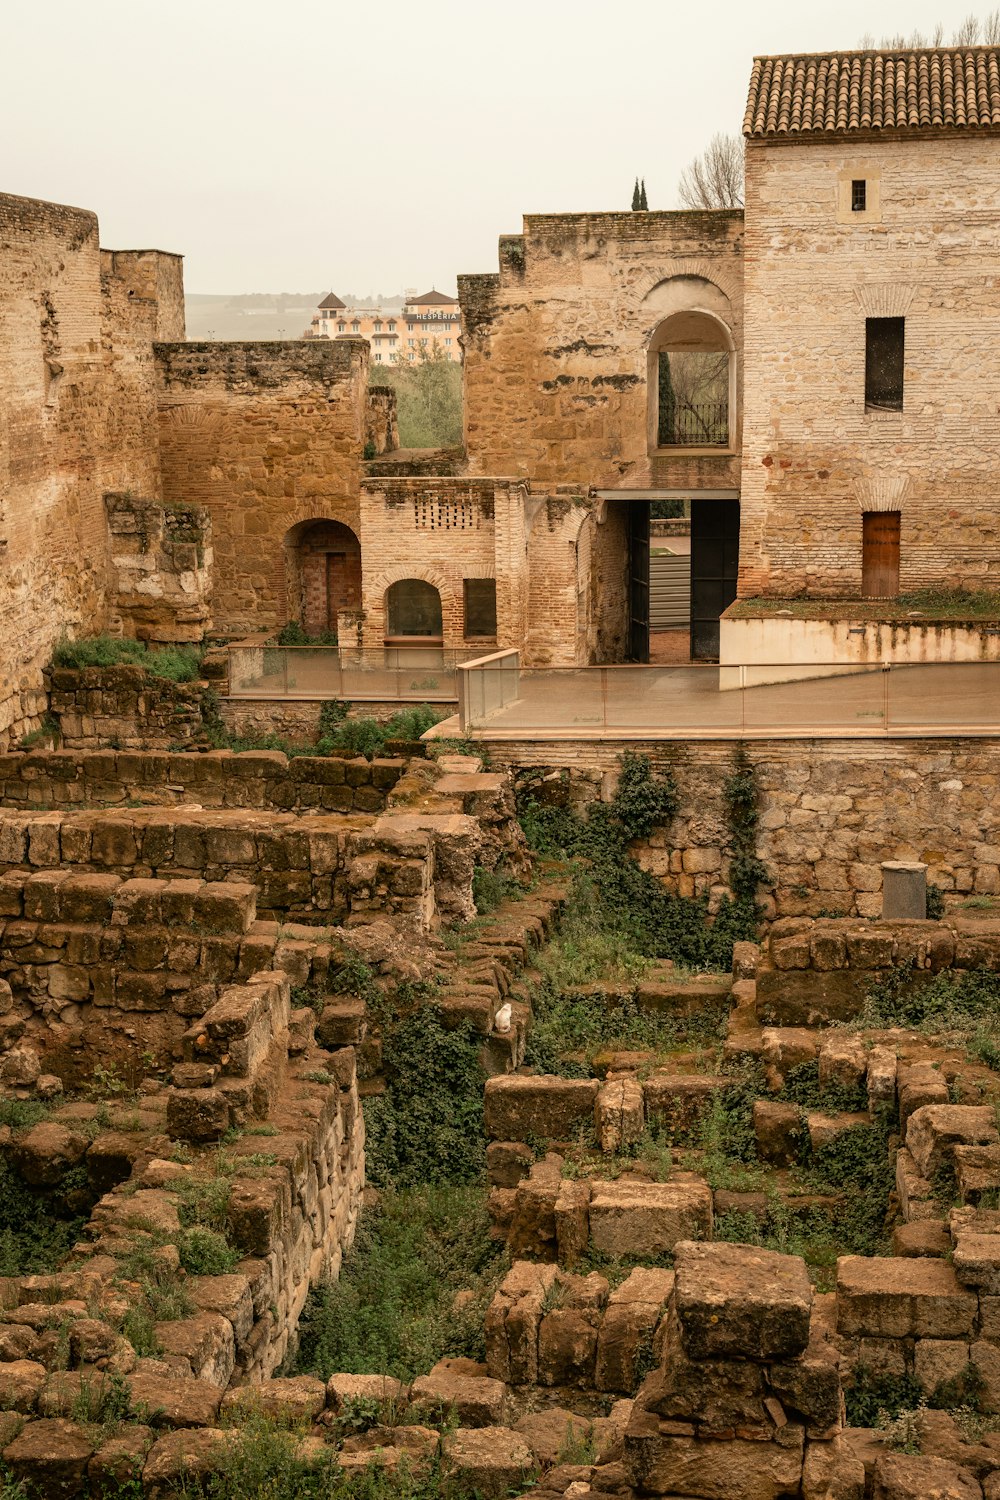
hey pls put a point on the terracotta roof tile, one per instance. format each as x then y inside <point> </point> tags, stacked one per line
<point>332,300</point>
<point>848,93</point>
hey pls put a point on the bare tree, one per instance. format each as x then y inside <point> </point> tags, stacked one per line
<point>971,33</point>
<point>715,178</point>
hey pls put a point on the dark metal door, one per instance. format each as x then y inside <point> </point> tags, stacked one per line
<point>715,560</point>
<point>638,580</point>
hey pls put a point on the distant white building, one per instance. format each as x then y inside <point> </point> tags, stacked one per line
<point>431,321</point>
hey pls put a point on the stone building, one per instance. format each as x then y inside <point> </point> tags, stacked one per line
<point>430,323</point>
<point>816,380</point>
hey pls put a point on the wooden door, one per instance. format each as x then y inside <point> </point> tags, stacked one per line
<point>638,580</point>
<point>715,563</point>
<point>880,554</point>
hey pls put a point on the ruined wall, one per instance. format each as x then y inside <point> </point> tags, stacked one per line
<point>444,531</point>
<point>76,419</point>
<point>830,812</point>
<point>556,345</point>
<point>161,560</point>
<point>814,458</point>
<point>265,437</point>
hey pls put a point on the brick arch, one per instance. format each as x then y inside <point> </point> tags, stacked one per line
<point>322,562</point>
<point>701,268</point>
<point>389,576</point>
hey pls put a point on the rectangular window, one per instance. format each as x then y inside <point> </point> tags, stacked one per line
<point>859,195</point>
<point>480,607</point>
<point>884,364</point>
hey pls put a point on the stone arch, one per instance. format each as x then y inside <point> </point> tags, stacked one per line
<point>716,274</point>
<point>323,576</point>
<point>691,379</point>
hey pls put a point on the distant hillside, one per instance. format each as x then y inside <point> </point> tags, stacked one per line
<point>263,315</point>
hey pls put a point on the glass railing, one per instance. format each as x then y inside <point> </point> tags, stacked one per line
<point>415,674</point>
<point>784,699</point>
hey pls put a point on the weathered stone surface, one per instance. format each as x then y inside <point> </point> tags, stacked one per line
<point>50,1457</point>
<point>518,1108</point>
<point>45,1153</point>
<point>905,1476</point>
<point>474,1401</point>
<point>553,1433</point>
<point>832,1471</point>
<point>295,1399</point>
<point>175,1403</point>
<point>659,1463</point>
<point>619,1114</point>
<point>187,1456</point>
<point>383,1388</point>
<point>648,1218</point>
<point>934,1129</point>
<point>879,1297</point>
<point>977,1261</point>
<point>488,1461</point>
<point>779,1131</point>
<point>738,1301</point>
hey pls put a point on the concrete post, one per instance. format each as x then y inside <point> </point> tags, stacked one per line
<point>904,890</point>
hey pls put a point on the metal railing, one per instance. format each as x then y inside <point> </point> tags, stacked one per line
<point>701,424</point>
<point>783,699</point>
<point>407,674</point>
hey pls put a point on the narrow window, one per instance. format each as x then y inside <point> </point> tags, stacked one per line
<point>480,607</point>
<point>414,608</point>
<point>859,195</point>
<point>884,364</point>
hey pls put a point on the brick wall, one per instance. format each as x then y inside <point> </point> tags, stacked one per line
<point>814,459</point>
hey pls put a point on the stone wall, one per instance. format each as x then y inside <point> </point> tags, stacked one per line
<point>161,559</point>
<point>830,812</point>
<point>556,346</point>
<point>77,417</point>
<point>265,779</point>
<point>814,458</point>
<point>122,707</point>
<point>266,437</point>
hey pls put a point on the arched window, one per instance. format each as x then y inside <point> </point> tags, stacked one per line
<point>691,382</point>
<point>413,608</point>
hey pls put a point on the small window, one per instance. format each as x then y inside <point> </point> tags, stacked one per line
<point>414,608</point>
<point>884,364</point>
<point>480,607</point>
<point>859,195</point>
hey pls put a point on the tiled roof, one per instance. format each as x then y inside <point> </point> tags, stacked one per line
<point>857,93</point>
<point>332,300</point>
<point>431,299</point>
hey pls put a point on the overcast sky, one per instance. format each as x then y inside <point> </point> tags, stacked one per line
<point>379,145</point>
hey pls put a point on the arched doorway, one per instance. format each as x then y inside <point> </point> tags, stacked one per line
<point>325,574</point>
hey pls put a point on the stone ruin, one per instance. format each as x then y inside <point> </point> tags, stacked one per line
<point>161,918</point>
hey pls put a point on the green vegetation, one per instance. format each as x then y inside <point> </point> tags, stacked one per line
<point>38,1229</point>
<point>633,902</point>
<point>338,734</point>
<point>205,1252</point>
<point>394,1309</point>
<point>962,1004</point>
<point>428,399</point>
<point>930,603</point>
<point>294,634</point>
<point>427,1127</point>
<point>491,888</point>
<point>174,663</point>
<point>569,1028</point>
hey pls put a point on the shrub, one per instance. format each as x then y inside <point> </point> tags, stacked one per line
<point>174,663</point>
<point>205,1252</point>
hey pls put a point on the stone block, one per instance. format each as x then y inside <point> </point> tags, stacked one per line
<point>934,1129</point>
<point>519,1108</point>
<point>717,1396</point>
<point>291,1401</point>
<point>938,1360</point>
<point>197,1114</point>
<point>734,1301</point>
<point>572,1220</point>
<point>173,1402</point>
<point>552,1433</point>
<point>906,1476</point>
<point>341,1390</point>
<point>917,1085</point>
<point>882,1297</point>
<point>916,1193</point>
<point>508,1163</point>
<point>471,1400</point>
<point>923,1237</point>
<point>677,1101</point>
<point>825,1129</point>
<point>977,1171</point>
<point>45,1153</point>
<point>567,1348</point>
<point>179,1459</point>
<point>977,1261</point>
<point>843,1061</point>
<point>490,1462</point>
<point>658,1463</point>
<point>619,1115</point>
<point>880,1078</point>
<point>50,1458</point>
<point>205,1341</point>
<point>832,1471</point>
<point>645,1219</point>
<point>779,1131</point>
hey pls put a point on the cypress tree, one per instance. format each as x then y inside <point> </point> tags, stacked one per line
<point>636,197</point>
<point>643,203</point>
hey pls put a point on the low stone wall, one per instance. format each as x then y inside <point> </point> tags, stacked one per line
<point>124,707</point>
<point>217,778</point>
<point>830,812</point>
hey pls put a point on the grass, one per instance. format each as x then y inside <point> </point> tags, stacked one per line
<point>38,1229</point>
<point>568,1029</point>
<point>962,1005</point>
<point>393,1309</point>
<point>174,663</point>
<point>939,603</point>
